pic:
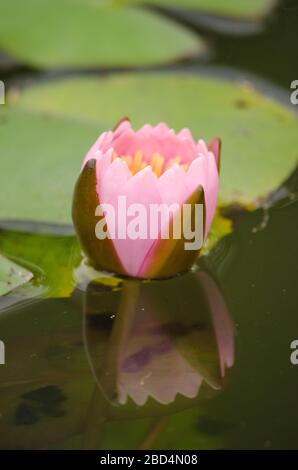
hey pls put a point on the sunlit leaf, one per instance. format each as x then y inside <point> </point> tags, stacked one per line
<point>55,258</point>
<point>87,33</point>
<point>12,275</point>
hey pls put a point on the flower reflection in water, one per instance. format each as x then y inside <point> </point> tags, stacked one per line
<point>168,337</point>
<point>151,365</point>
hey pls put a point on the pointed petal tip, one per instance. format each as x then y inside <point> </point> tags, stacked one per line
<point>125,119</point>
<point>90,163</point>
<point>185,134</point>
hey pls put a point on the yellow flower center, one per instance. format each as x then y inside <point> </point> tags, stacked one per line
<point>158,162</point>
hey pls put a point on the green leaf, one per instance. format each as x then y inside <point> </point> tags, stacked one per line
<point>12,275</point>
<point>56,124</point>
<point>54,256</point>
<point>40,166</point>
<point>233,8</point>
<point>87,33</point>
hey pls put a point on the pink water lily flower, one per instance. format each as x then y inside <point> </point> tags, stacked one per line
<point>151,167</point>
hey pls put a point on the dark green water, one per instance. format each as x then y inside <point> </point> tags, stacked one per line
<point>71,361</point>
<point>204,357</point>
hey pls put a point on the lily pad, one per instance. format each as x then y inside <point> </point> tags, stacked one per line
<point>233,8</point>
<point>39,167</point>
<point>54,256</point>
<point>56,123</point>
<point>12,275</point>
<point>87,33</point>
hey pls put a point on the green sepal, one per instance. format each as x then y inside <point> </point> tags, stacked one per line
<point>101,253</point>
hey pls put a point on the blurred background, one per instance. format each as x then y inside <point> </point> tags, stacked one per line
<point>81,65</point>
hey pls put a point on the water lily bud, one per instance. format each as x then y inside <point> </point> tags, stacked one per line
<point>145,200</point>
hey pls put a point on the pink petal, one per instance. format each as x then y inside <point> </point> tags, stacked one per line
<point>203,171</point>
<point>115,177</point>
<point>186,134</point>
<point>122,127</point>
<point>202,147</point>
<point>161,130</point>
<point>142,189</point>
<point>172,185</point>
<point>103,161</point>
<point>158,139</point>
